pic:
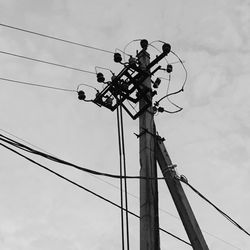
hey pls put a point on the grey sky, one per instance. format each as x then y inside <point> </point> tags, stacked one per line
<point>209,140</point>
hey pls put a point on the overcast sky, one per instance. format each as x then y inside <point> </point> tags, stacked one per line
<point>209,140</point>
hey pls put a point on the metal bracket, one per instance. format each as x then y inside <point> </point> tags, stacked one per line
<point>154,135</point>
<point>128,85</point>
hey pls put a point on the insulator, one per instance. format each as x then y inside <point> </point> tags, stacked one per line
<point>154,109</point>
<point>132,61</point>
<point>117,57</point>
<point>100,77</point>
<point>166,48</point>
<point>169,68</point>
<point>113,77</point>
<point>154,93</point>
<point>157,83</point>
<point>109,101</point>
<point>81,95</point>
<point>144,44</point>
<point>161,109</point>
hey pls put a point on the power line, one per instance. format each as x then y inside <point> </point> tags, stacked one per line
<point>125,173</point>
<point>55,159</point>
<point>11,134</point>
<point>132,195</point>
<point>55,38</point>
<point>183,179</point>
<point>36,84</point>
<point>121,182</point>
<point>123,170</point>
<point>26,148</point>
<point>86,189</point>
<point>46,62</point>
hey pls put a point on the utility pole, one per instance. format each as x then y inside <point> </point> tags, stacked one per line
<point>181,202</point>
<point>149,219</point>
<point>133,84</point>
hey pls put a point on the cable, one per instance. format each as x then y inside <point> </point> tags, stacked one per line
<point>55,38</point>
<point>169,82</point>
<point>132,195</point>
<point>174,104</point>
<point>3,130</point>
<point>126,46</point>
<point>121,185</point>
<point>86,189</point>
<point>46,62</point>
<point>55,159</point>
<point>23,147</point>
<point>183,179</point>
<point>176,92</point>
<point>36,84</point>
<point>125,174</point>
<point>186,73</point>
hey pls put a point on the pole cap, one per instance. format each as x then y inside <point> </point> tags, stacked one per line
<point>166,48</point>
<point>144,44</point>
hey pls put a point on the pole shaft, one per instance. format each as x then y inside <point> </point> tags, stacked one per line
<point>149,219</point>
<point>181,202</point>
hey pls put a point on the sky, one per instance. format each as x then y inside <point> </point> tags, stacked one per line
<point>209,139</point>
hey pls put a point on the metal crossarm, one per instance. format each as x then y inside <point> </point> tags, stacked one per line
<point>128,85</point>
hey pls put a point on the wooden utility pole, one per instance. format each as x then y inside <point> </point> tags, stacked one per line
<point>133,84</point>
<point>181,202</point>
<point>149,219</point>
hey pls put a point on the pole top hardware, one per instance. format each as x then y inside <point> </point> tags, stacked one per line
<point>128,84</point>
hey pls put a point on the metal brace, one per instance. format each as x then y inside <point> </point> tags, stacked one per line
<point>154,135</point>
<point>170,168</point>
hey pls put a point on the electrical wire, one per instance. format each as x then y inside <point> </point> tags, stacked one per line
<point>125,174</point>
<point>55,38</point>
<point>183,179</point>
<point>132,195</point>
<point>126,46</point>
<point>55,159</point>
<point>46,62</point>
<point>11,134</point>
<point>169,82</point>
<point>36,84</point>
<point>87,85</point>
<point>186,73</point>
<point>26,148</point>
<point>87,190</point>
<point>176,92</point>
<point>121,184</point>
<point>174,104</point>
<point>167,95</point>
